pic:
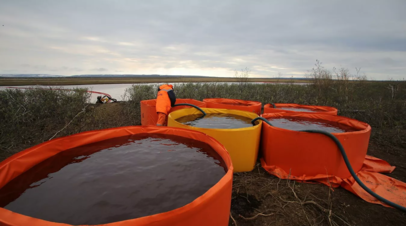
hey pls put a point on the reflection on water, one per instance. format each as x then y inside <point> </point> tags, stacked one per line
<point>117,90</point>
<point>216,121</point>
<point>297,123</point>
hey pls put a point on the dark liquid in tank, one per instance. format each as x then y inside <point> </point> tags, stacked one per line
<point>313,124</point>
<point>216,121</point>
<point>299,109</point>
<point>114,180</point>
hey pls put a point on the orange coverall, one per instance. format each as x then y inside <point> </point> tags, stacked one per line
<point>163,104</point>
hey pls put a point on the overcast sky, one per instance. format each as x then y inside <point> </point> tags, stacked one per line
<point>213,38</point>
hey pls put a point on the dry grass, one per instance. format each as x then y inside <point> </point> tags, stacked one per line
<point>260,199</point>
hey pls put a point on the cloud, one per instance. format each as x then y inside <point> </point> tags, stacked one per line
<point>203,37</point>
<point>100,69</point>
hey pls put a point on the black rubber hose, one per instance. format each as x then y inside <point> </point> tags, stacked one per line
<point>191,105</point>
<point>260,118</point>
<point>347,163</point>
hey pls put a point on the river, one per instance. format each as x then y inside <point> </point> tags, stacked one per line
<point>117,90</point>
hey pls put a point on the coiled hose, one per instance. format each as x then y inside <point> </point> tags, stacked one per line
<point>191,105</point>
<point>347,163</point>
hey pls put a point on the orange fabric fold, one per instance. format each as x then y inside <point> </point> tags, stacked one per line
<point>370,174</point>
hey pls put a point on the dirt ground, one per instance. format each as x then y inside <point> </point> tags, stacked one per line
<point>262,199</point>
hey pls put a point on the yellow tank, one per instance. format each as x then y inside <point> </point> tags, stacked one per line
<point>242,144</point>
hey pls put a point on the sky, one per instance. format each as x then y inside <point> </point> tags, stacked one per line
<point>213,38</point>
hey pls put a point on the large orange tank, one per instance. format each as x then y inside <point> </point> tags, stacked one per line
<point>242,105</point>
<point>149,116</point>
<point>310,109</point>
<point>211,208</point>
<point>302,154</point>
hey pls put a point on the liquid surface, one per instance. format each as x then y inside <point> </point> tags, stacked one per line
<point>216,121</point>
<point>114,180</point>
<point>307,124</point>
<point>299,109</point>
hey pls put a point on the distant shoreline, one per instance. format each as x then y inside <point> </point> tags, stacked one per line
<point>8,81</point>
<point>60,81</point>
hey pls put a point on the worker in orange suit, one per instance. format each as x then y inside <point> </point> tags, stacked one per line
<point>164,101</point>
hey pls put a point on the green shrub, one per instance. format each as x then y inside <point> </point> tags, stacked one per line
<point>35,115</point>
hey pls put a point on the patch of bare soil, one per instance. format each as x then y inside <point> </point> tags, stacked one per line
<point>263,199</point>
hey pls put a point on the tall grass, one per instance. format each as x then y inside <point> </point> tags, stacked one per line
<point>133,97</point>
<point>33,116</point>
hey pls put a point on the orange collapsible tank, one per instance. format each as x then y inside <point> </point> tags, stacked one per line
<point>149,116</point>
<point>302,154</point>
<point>242,105</point>
<point>310,109</point>
<point>241,143</point>
<point>211,208</point>
<point>305,156</point>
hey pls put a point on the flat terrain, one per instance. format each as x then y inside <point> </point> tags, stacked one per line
<point>83,81</point>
